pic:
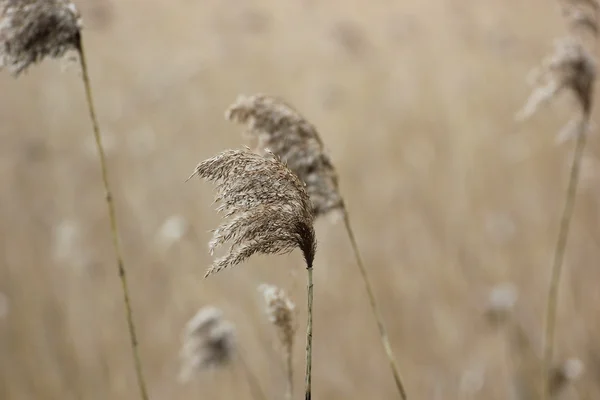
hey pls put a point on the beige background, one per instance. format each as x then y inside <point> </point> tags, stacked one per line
<point>415,102</point>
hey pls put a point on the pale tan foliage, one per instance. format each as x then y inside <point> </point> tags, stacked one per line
<point>31,30</point>
<point>208,342</point>
<point>266,207</point>
<point>282,130</point>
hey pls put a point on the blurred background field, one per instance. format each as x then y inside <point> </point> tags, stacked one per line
<point>449,197</point>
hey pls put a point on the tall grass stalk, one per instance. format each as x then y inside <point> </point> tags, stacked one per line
<point>284,131</point>
<point>113,223</point>
<point>559,255</point>
<point>30,31</point>
<point>375,309</point>
<point>267,210</point>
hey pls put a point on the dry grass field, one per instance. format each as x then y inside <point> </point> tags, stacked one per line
<point>448,195</point>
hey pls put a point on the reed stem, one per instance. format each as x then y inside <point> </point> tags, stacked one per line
<point>113,221</point>
<point>309,329</point>
<point>375,308</point>
<point>559,253</point>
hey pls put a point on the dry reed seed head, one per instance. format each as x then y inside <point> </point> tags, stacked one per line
<point>571,67</point>
<point>281,312</point>
<point>31,30</point>
<point>562,375</point>
<point>208,342</point>
<point>281,129</point>
<point>266,208</point>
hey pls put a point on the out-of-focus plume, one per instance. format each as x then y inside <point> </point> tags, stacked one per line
<point>281,312</point>
<point>208,342</point>
<point>279,128</point>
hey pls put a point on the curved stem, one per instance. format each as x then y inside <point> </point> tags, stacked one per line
<point>375,308</point>
<point>559,254</point>
<point>113,222</point>
<point>309,328</point>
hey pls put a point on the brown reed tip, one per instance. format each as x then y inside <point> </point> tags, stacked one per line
<point>281,129</point>
<point>564,374</point>
<point>208,342</point>
<point>570,67</point>
<point>280,310</point>
<point>31,30</point>
<point>266,207</point>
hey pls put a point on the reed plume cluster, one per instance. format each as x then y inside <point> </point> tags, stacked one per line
<point>266,210</point>
<point>571,68</point>
<point>281,313</point>
<point>282,130</point>
<point>208,342</point>
<point>30,31</point>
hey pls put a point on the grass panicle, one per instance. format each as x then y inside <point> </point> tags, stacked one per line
<point>208,342</point>
<point>570,68</point>
<point>281,312</point>
<point>280,129</point>
<point>265,207</point>
<point>266,210</point>
<point>30,31</point>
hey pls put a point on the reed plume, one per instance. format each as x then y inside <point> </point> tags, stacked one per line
<point>209,342</point>
<point>266,210</point>
<point>30,31</point>
<point>280,129</point>
<point>571,68</point>
<point>281,313</point>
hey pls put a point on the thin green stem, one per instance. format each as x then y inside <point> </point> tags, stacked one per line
<point>559,254</point>
<point>375,308</point>
<point>113,221</point>
<point>309,329</point>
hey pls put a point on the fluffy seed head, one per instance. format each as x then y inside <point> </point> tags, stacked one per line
<point>280,310</point>
<point>208,342</point>
<point>31,30</point>
<point>281,129</point>
<point>570,67</point>
<point>266,207</point>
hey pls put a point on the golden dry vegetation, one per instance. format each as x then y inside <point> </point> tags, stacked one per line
<point>448,195</point>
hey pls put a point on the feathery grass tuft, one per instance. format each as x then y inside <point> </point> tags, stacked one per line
<point>266,210</point>
<point>30,31</point>
<point>281,312</point>
<point>208,342</point>
<point>282,130</point>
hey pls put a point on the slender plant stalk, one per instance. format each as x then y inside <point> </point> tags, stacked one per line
<point>113,222</point>
<point>375,308</point>
<point>559,253</point>
<point>290,376</point>
<point>309,328</point>
<point>253,383</point>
